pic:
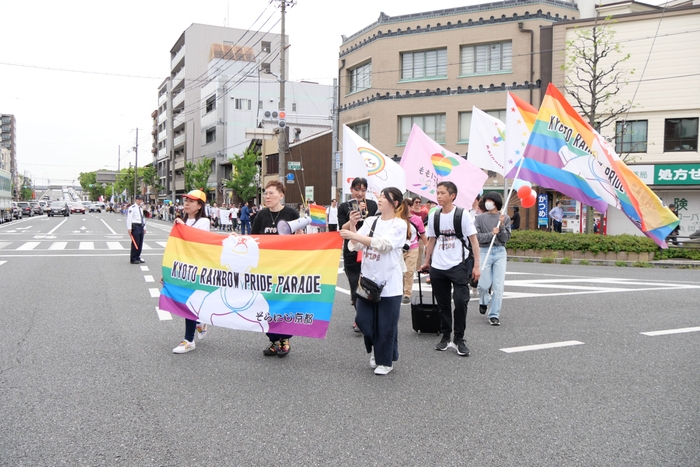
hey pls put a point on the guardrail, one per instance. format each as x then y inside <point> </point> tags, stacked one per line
<point>690,242</point>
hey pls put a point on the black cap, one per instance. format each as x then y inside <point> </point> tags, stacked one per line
<point>138,197</point>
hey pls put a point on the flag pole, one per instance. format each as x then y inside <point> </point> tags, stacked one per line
<point>505,209</point>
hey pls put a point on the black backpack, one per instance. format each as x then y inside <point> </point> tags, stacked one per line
<point>458,229</point>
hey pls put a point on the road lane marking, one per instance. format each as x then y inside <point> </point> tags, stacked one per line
<point>58,245</point>
<point>671,331</point>
<point>86,246</point>
<point>2,262</point>
<point>552,345</point>
<point>163,315</point>
<point>4,244</point>
<point>146,247</point>
<point>342,290</point>
<point>55,228</point>
<point>155,293</point>
<point>110,228</point>
<point>28,246</point>
<point>114,246</point>
<point>163,244</point>
<point>144,268</point>
<point>149,278</point>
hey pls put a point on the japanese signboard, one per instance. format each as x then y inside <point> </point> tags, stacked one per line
<point>542,209</point>
<point>677,174</point>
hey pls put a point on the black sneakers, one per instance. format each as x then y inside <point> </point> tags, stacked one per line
<point>443,344</point>
<point>483,308</point>
<point>494,322</point>
<point>462,349</point>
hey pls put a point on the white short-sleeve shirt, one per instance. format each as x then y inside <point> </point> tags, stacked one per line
<point>385,268</point>
<point>448,248</point>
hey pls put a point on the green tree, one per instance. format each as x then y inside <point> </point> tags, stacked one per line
<point>25,192</point>
<point>88,181</point>
<point>150,178</point>
<point>125,181</point>
<point>245,172</point>
<point>197,174</point>
<point>594,74</point>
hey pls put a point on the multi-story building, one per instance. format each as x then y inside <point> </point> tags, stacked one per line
<point>658,137</point>
<point>9,141</point>
<point>233,103</point>
<point>430,68</point>
<point>179,130</point>
<point>5,159</point>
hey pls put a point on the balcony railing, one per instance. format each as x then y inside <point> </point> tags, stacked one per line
<point>178,120</point>
<point>179,140</point>
<point>163,97</point>
<point>177,100</point>
<point>162,152</point>
<point>178,56</point>
<point>161,117</point>
<point>162,135</point>
<point>178,77</point>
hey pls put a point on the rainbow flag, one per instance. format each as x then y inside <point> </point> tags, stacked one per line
<point>318,215</point>
<point>566,154</point>
<point>264,283</point>
<point>520,119</point>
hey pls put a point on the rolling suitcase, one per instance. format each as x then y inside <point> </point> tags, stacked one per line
<point>425,317</point>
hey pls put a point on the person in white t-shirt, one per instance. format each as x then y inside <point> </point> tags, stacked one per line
<point>447,259</point>
<point>332,216</point>
<point>195,216</point>
<point>381,238</point>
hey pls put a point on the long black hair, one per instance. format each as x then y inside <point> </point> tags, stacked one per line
<point>201,212</point>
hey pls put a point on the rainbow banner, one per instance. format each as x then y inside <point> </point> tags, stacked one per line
<point>565,153</point>
<point>318,215</point>
<point>264,283</point>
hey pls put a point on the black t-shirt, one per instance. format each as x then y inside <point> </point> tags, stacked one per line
<point>265,221</point>
<point>344,217</point>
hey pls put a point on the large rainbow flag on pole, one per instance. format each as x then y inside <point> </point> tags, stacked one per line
<point>265,283</point>
<point>565,153</point>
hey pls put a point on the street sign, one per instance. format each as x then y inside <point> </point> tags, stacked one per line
<point>309,192</point>
<point>106,176</point>
<point>290,177</point>
<point>337,161</point>
<point>293,165</point>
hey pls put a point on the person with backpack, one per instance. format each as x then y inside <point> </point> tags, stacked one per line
<point>488,225</point>
<point>451,264</point>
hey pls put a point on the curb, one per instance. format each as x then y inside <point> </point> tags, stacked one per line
<point>664,264</point>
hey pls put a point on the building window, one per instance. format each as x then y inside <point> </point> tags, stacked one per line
<point>681,134</point>
<point>465,122</point>
<point>265,68</point>
<point>486,58</point>
<point>362,130</point>
<point>361,77</point>
<point>631,137</point>
<point>210,104</point>
<point>243,104</point>
<point>432,125</point>
<point>424,65</point>
<point>273,163</point>
<point>294,106</point>
<point>210,135</point>
<point>265,46</point>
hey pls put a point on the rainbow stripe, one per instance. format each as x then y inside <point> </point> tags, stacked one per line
<point>259,279</point>
<point>318,215</point>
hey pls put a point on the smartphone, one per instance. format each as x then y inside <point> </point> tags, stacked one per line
<point>355,206</point>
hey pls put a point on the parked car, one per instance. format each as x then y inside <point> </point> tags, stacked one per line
<point>26,208</point>
<point>16,211</point>
<point>36,208</point>
<point>77,207</point>
<point>95,208</point>
<point>59,208</point>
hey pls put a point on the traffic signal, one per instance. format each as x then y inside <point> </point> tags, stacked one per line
<point>278,116</point>
<point>282,122</point>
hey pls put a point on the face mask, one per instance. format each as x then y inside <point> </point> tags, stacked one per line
<point>489,205</point>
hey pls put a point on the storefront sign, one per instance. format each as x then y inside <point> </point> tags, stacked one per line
<point>677,174</point>
<point>542,210</point>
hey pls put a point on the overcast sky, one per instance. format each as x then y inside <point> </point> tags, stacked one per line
<point>69,122</point>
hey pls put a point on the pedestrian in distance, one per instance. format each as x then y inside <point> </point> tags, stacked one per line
<point>265,223</point>
<point>515,220</point>
<point>195,215</point>
<point>332,216</point>
<point>493,272</point>
<point>245,219</point>
<point>557,216</point>
<point>382,239</point>
<point>449,261</point>
<point>411,249</point>
<point>366,208</point>
<point>136,226</point>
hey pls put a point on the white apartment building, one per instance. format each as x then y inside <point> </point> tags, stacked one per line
<point>659,135</point>
<point>231,104</point>
<point>179,133</point>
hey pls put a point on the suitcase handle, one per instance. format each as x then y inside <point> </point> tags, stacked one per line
<point>420,289</point>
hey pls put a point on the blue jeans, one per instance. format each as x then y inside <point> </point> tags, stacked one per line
<point>493,276</point>
<point>245,227</point>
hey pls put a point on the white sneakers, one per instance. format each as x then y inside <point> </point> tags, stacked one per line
<point>201,330</point>
<point>372,362</point>
<point>184,347</point>
<point>383,370</point>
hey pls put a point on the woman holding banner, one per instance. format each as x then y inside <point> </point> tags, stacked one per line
<point>265,222</point>
<point>491,223</point>
<point>195,216</point>
<point>382,239</point>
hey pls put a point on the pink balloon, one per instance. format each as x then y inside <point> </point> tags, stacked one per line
<point>529,202</point>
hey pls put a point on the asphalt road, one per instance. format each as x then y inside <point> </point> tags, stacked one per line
<point>88,377</point>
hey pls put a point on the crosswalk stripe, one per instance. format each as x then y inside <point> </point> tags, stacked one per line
<point>155,293</point>
<point>149,278</point>
<point>28,246</point>
<point>58,245</point>
<point>4,244</point>
<point>114,246</point>
<point>163,315</point>
<point>147,247</point>
<point>2,262</point>
<point>86,246</point>
<point>162,244</point>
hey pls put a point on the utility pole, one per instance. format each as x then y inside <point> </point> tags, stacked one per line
<point>136,164</point>
<point>283,137</point>
<point>334,143</point>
